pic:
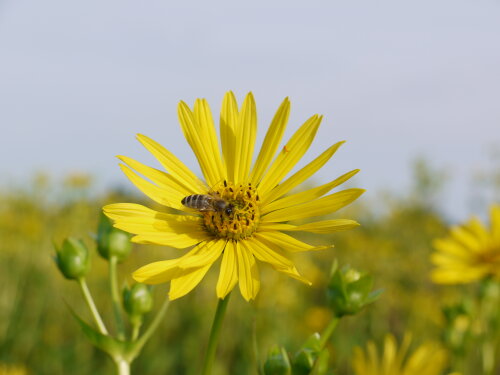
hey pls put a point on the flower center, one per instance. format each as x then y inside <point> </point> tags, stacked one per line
<point>238,216</point>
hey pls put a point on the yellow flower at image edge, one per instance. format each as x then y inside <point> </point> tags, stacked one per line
<point>240,211</point>
<point>470,253</point>
<point>428,359</point>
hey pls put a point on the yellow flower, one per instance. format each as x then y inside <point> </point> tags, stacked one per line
<point>470,253</point>
<point>242,212</point>
<point>428,359</point>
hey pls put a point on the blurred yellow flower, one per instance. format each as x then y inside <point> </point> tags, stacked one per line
<point>239,213</point>
<point>470,253</point>
<point>428,359</point>
<point>12,369</point>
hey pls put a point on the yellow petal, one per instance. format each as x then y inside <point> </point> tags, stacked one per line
<point>271,142</point>
<point>165,181</point>
<point>285,242</point>
<point>165,270</point>
<point>265,253</point>
<point>200,143</point>
<point>290,154</point>
<point>228,122</point>
<point>293,273</point>
<point>270,253</point>
<point>180,286</point>
<point>318,207</point>
<point>178,241</point>
<point>172,164</point>
<point>157,272</point>
<point>158,194</point>
<point>302,175</point>
<point>266,227</point>
<point>248,273</point>
<point>228,276</point>
<point>495,222</point>
<point>179,231</point>
<point>245,133</point>
<point>466,238</point>
<point>208,254</point>
<point>326,226</point>
<point>308,195</point>
<point>203,116</point>
<point>452,248</point>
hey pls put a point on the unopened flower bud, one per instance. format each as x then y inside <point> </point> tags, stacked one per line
<point>111,241</point>
<point>304,359</point>
<point>277,362</point>
<point>137,301</point>
<point>350,290</point>
<point>73,259</point>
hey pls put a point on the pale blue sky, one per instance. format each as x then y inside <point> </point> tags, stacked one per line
<point>396,79</point>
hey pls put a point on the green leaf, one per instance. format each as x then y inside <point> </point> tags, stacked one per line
<point>321,364</point>
<point>108,344</point>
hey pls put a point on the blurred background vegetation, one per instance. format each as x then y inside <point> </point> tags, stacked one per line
<point>38,334</point>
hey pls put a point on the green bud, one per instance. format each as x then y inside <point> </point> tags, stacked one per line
<point>73,259</point>
<point>111,241</point>
<point>304,359</point>
<point>137,301</point>
<point>277,362</point>
<point>350,290</point>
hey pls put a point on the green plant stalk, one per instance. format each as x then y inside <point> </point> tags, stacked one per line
<point>214,335</point>
<point>122,366</point>
<point>136,327</point>
<point>327,333</point>
<point>150,330</point>
<point>255,346</point>
<point>115,297</point>
<point>92,307</point>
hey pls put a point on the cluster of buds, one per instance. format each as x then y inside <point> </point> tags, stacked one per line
<point>348,291</point>
<point>73,260</point>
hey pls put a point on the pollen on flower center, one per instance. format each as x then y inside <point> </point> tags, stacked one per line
<point>242,219</point>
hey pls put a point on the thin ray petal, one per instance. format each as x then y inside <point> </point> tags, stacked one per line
<point>286,242</point>
<point>318,207</point>
<point>271,142</point>
<point>228,122</point>
<point>207,255</point>
<point>308,195</point>
<point>248,274</point>
<point>290,154</point>
<point>154,192</point>
<point>245,133</point>
<point>161,179</point>
<point>172,164</point>
<point>228,276</point>
<point>302,175</point>
<point>162,271</point>
<point>197,137</point>
<point>180,286</point>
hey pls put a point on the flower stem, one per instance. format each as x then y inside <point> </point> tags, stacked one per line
<point>122,366</point>
<point>327,333</point>
<point>152,327</point>
<point>92,307</point>
<point>115,297</point>
<point>214,335</point>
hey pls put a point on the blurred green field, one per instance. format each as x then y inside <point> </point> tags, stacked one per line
<point>38,333</point>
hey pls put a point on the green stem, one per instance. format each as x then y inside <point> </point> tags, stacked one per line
<point>214,335</point>
<point>122,366</point>
<point>92,307</point>
<point>255,346</point>
<point>136,327</point>
<point>115,297</point>
<point>152,327</point>
<point>327,333</point>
